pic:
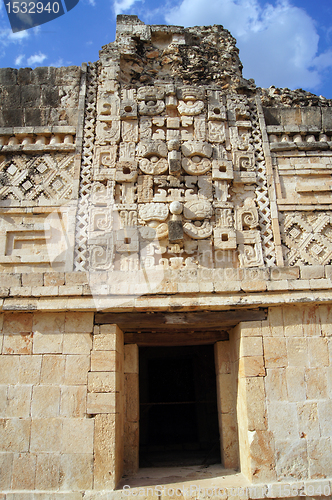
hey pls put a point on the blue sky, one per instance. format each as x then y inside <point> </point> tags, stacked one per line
<point>282,43</point>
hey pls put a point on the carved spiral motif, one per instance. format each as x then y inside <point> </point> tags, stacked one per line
<point>190,108</point>
<point>196,165</point>
<point>153,166</point>
<point>249,219</point>
<point>198,233</point>
<point>153,211</point>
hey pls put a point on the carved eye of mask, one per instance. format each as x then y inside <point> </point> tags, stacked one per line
<point>153,164</point>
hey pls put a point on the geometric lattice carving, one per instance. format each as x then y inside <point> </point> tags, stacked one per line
<point>27,178</point>
<point>307,237</point>
<point>262,195</point>
<point>82,216</point>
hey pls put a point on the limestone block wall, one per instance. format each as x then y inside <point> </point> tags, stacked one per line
<point>40,97</point>
<point>46,436</point>
<point>284,394</point>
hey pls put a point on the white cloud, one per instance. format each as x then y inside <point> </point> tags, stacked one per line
<point>19,59</point>
<point>278,43</point>
<point>58,63</point>
<point>122,5</point>
<point>36,59</point>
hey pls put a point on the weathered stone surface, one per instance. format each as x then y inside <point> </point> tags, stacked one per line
<point>184,194</point>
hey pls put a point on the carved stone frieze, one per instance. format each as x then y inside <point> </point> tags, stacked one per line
<point>165,167</point>
<point>307,237</point>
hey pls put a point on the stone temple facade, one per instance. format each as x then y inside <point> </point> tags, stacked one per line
<point>166,275</point>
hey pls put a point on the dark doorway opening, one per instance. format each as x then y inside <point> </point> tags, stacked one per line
<point>178,406</point>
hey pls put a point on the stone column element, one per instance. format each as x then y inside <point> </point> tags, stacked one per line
<point>105,401</point>
<point>226,399</point>
<point>256,448</point>
<point>131,414</point>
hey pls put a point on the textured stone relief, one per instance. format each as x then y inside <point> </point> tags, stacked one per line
<point>164,179</point>
<point>40,179</point>
<point>307,237</point>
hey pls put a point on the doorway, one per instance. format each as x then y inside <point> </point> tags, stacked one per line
<point>178,406</point>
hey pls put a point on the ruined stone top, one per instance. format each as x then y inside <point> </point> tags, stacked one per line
<point>202,54</point>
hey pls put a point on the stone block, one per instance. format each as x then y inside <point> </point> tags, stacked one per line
<point>275,352</point>
<point>252,367</point>
<point>77,278</point>
<point>318,351</point>
<point>46,435</point>
<point>79,322</point>
<point>285,273</point>
<point>311,321</point>
<point>14,434</point>
<point>297,351</point>
<point>6,468</point>
<point>9,369</point>
<point>76,472</point>
<point>251,329</point>
<point>229,439</point>
<point>319,454</point>
<point>175,231</point>
<point>45,322</point>
<point>308,420</point>
<point>77,343</point>
<point>291,459</point>
<point>132,397</point>
<point>325,319</point>
<point>312,116</point>
<point>3,400</point>
<point>262,464</point>
<point>277,285</point>
<point>71,290</point>
<point>8,280</point>
<point>131,358</point>
<point>77,435</point>
<point>104,361</point>
<point>47,343</point>
<point>45,401</point>
<point>44,291</point>
<point>256,411</point>
<point>316,383</point>
<point>108,451</point>
<point>283,420</point>
<point>17,323</point>
<point>222,357</point>
<point>18,401</point>
<point>293,321</point>
<point>275,322</point>
<point>109,340</point>
<point>312,272</point>
<point>73,401</point>
<point>76,371</point>
<point>296,388</point>
<point>326,119</point>
<point>52,369</point>
<point>30,368</point>
<point>251,346</point>
<point>225,392</point>
<point>103,403</point>
<point>17,343</point>
<point>104,381</point>
<point>131,448</point>
<point>325,420</point>
<point>24,471</point>
<point>48,472</point>
<point>32,279</point>
<point>54,279</point>
<point>253,285</point>
<point>275,384</point>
